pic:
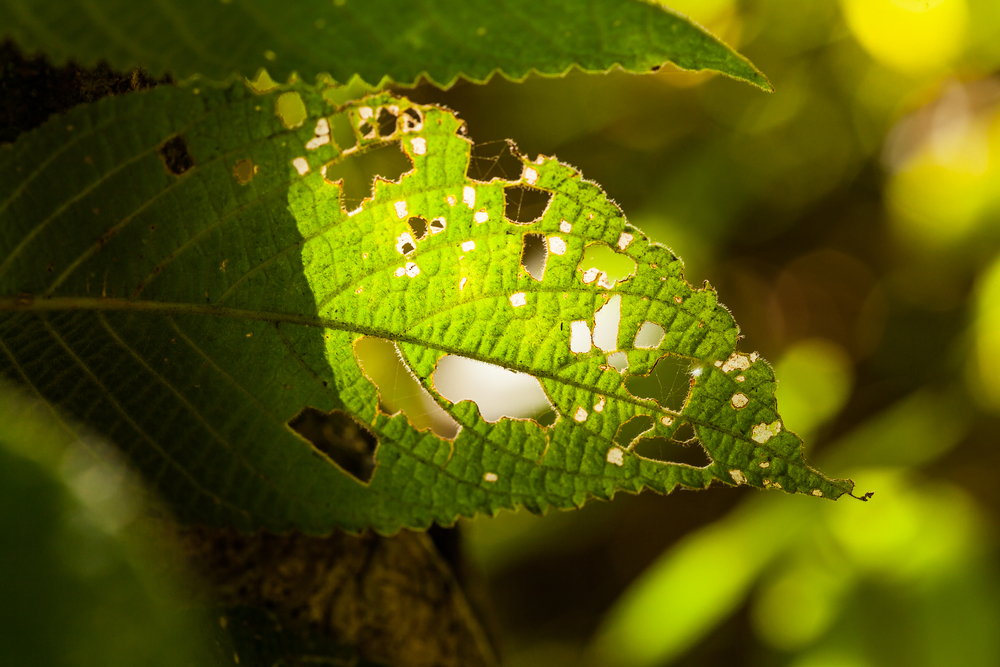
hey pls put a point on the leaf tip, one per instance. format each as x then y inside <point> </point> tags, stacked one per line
<point>865,497</point>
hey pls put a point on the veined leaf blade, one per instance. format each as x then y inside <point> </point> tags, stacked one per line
<point>402,41</point>
<point>190,316</point>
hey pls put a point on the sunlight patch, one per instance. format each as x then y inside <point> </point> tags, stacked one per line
<point>498,392</point>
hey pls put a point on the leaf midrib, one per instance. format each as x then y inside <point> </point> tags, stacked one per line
<point>168,308</point>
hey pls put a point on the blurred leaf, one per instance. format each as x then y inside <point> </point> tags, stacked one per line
<point>441,39</point>
<point>180,274</point>
<point>695,585</point>
<point>815,378</point>
<point>699,582</point>
<point>912,432</point>
<point>75,590</point>
<point>983,363</point>
<point>879,588</point>
<point>944,191</point>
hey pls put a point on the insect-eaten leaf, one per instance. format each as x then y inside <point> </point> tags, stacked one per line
<point>248,341</point>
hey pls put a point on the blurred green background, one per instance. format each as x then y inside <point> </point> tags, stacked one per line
<point>851,223</point>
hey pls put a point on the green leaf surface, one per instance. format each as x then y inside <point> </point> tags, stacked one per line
<point>439,39</point>
<point>177,272</point>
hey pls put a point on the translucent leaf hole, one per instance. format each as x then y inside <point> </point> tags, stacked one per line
<point>412,120</point>
<point>649,337</point>
<point>667,383</point>
<point>494,159</point>
<point>524,204</point>
<point>496,391</point>
<point>386,123</point>
<point>684,434</point>
<point>601,263</point>
<point>341,438</point>
<point>399,390</point>
<point>342,133</point>
<point>534,254</point>
<point>606,321</point>
<point>669,451</point>
<point>291,110</point>
<point>357,172</point>
<point>632,429</point>
<point>579,337</point>
<point>418,226</point>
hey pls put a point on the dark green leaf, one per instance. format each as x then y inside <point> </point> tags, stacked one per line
<point>440,39</point>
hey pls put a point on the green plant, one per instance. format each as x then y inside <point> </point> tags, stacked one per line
<point>185,271</point>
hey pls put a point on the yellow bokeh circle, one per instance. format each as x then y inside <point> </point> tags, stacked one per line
<point>914,36</point>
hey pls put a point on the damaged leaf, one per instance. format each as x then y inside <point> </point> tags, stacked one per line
<point>402,41</point>
<point>194,319</point>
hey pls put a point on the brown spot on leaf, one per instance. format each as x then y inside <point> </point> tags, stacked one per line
<point>245,170</point>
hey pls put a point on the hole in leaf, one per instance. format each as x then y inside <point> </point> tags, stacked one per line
<point>367,130</point>
<point>291,110</point>
<point>340,437</point>
<point>405,244</point>
<point>418,226</point>
<point>437,225</point>
<point>524,204</point>
<point>649,337</point>
<point>579,337</point>
<point>684,433</point>
<point>668,451</point>
<point>667,383</point>
<point>386,123</point>
<point>342,132</point>
<point>176,156</point>
<point>618,361</point>
<point>496,391</point>
<point>413,121</point>
<point>494,159</point>
<point>534,252</point>
<point>358,172</point>
<point>632,429</point>
<point>602,263</point>
<point>399,390</point>
<point>606,321</point>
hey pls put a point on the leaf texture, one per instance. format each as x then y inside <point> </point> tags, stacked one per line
<point>179,272</point>
<point>439,39</point>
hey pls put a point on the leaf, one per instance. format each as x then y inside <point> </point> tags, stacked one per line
<point>179,274</point>
<point>439,39</point>
<point>77,588</point>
